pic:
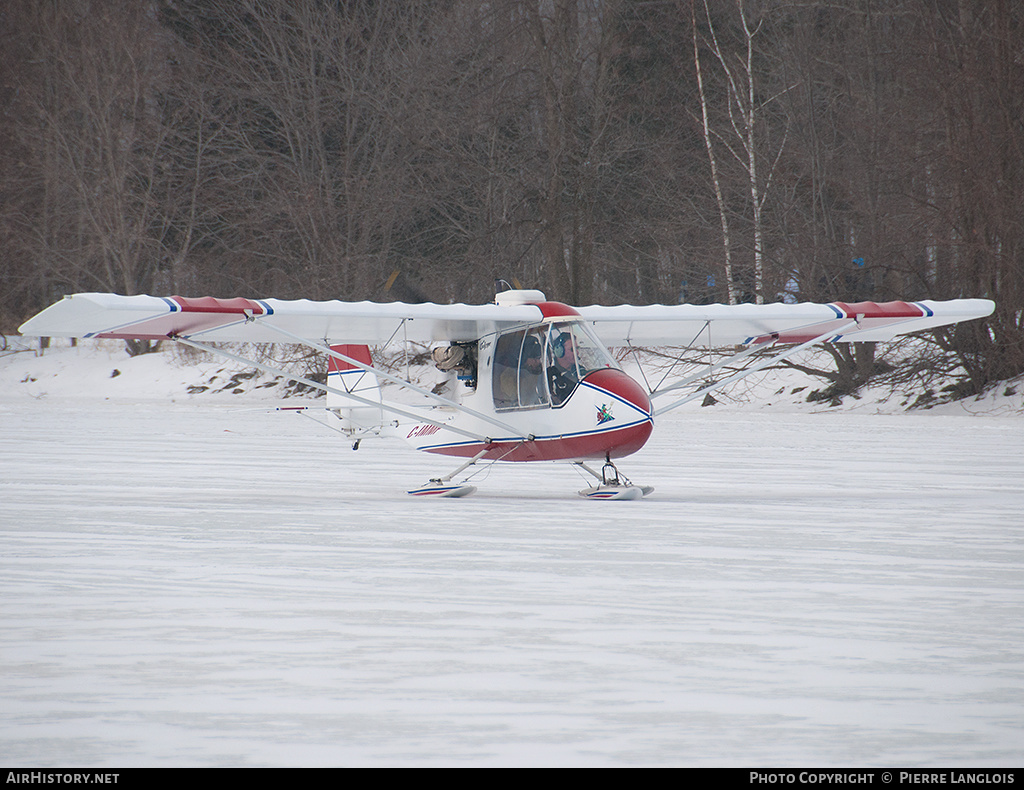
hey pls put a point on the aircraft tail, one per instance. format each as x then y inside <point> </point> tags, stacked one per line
<point>344,377</point>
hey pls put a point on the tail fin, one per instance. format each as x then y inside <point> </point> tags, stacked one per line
<point>345,377</point>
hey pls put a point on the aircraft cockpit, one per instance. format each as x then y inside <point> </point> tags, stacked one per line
<point>541,366</point>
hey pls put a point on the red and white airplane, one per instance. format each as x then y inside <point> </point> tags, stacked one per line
<point>537,380</point>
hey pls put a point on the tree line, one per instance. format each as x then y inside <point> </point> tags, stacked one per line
<point>604,151</point>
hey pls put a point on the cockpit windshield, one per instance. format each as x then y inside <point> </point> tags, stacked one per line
<point>571,353</point>
<point>572,343</point>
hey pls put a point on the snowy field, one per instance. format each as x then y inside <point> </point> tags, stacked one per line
<point>187,582</point>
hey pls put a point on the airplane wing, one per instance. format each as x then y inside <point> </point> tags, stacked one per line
<point>719,325</point>
<point>264,320</point>
<point>99,315</point>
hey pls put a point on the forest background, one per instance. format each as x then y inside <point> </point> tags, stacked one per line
<point>605,151</point>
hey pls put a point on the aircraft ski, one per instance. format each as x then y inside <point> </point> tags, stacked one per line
<point>443,490</point>
<point>526,379</point>
<point>612,484</point>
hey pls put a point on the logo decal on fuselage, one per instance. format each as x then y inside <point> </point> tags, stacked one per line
<point>604,413</point>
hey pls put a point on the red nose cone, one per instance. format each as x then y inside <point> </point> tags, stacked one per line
<point>635,434</point>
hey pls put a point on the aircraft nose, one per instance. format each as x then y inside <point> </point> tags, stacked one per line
<point>617,383</point>
<point>629,406</point>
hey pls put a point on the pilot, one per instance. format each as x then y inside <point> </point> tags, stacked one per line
<point>562,375</point>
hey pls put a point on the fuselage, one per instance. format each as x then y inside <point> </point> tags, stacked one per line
<point>556,390</point>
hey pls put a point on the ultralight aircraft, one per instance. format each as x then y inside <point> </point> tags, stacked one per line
<point>536,379</point>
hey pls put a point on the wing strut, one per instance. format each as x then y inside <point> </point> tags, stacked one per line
<point>396,380</point>
<point>756,366</point>
<point>419,417</point>
<point>712,368</point>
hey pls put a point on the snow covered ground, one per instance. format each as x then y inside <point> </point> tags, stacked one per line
<point>187,581</point>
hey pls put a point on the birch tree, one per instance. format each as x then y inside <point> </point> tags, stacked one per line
<point>716,179</point>
<point>742,135</point>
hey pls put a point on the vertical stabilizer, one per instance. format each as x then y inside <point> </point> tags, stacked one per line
<point>344,377</point>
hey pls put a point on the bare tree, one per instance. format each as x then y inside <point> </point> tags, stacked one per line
<point>312,99</point>
<point>743,136</point>
<point>971,78</point>
<point>99,144</point>
<point>716,179</point>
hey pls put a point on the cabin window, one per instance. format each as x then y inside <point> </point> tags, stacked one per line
<point>518,372</point>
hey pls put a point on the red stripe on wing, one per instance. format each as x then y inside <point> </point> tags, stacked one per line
<point>192,315</point>
<point>208,304</point>
<point>869,315</point>
<point>884,310</point>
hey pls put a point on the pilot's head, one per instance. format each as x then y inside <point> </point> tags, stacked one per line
<point>564,350</point>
